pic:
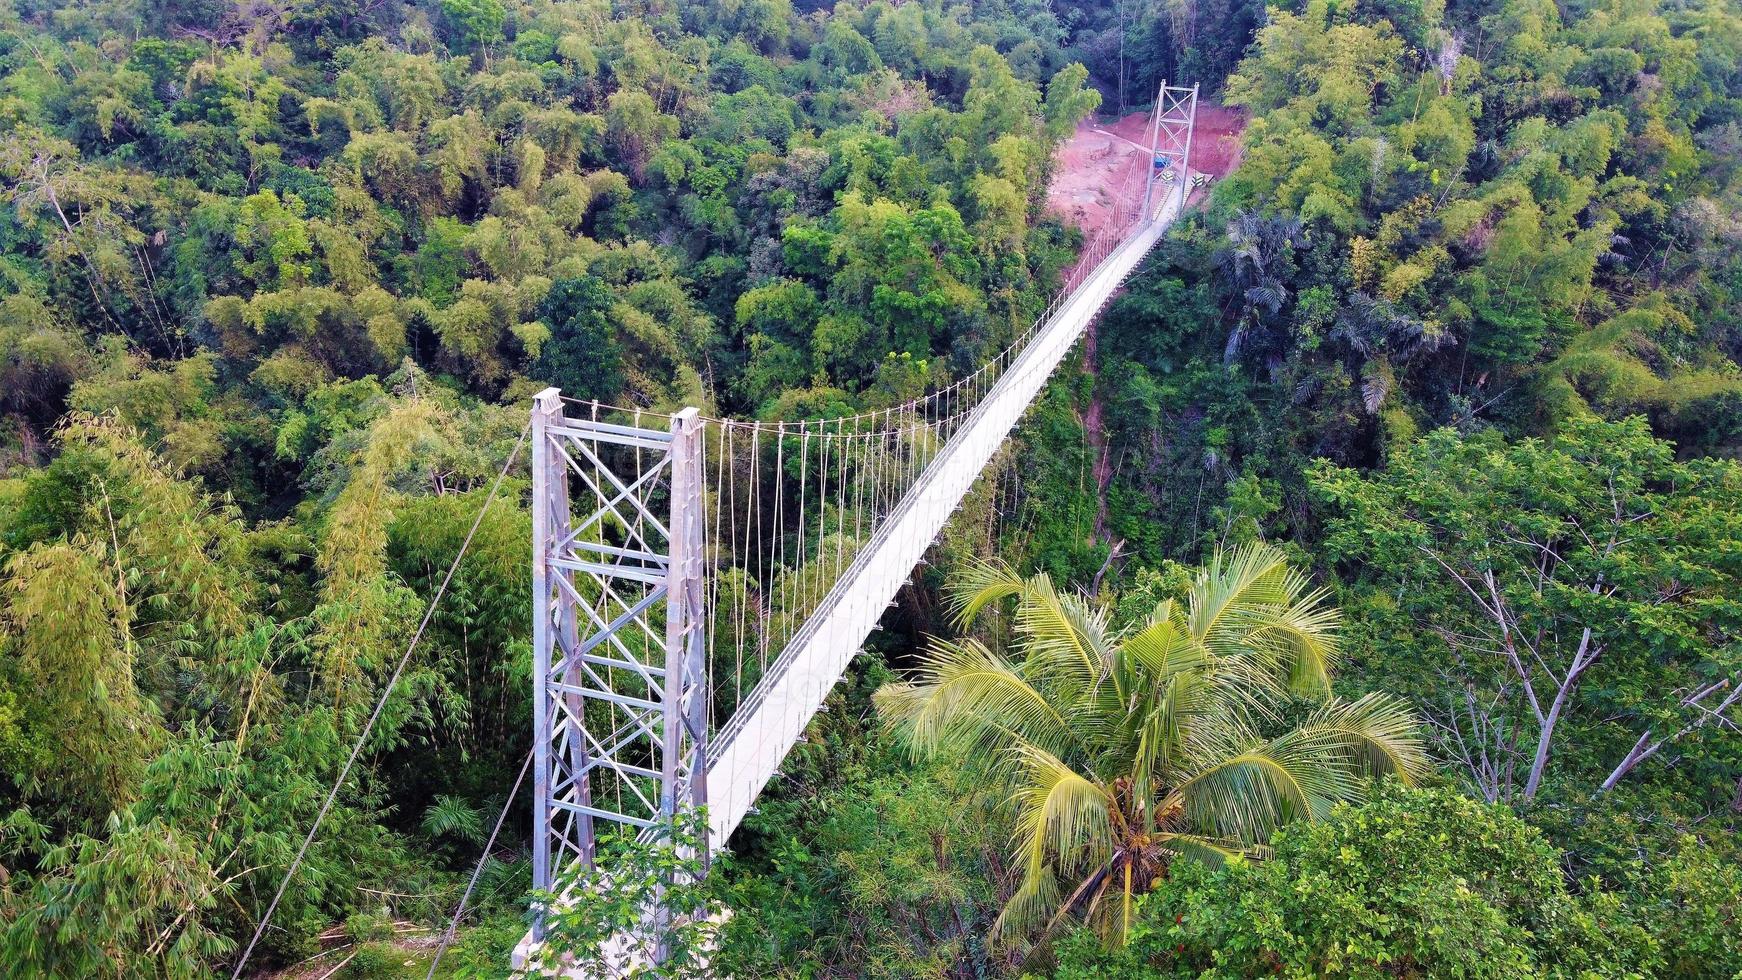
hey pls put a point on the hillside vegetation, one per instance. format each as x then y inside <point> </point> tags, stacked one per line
<point>1395,634</point>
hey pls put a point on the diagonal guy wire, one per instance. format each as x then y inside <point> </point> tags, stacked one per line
<point>356,750</point>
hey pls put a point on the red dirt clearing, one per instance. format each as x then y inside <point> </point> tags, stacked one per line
<point>1101,168</point>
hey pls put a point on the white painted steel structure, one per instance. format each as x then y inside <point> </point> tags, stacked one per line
<point>624,557</point>
<point>1173,125</point>
<point>617,582</point>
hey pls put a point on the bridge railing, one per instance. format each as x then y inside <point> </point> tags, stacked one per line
<point>1095,253</point>
<point>747,751</point>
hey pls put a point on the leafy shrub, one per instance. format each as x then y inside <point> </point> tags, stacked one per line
<point>374,962</point>
<point>1415,883</point>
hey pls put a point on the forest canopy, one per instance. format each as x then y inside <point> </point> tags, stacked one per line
<point>1439,382</point>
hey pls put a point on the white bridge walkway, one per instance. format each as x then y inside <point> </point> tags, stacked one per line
<point>749,749</point>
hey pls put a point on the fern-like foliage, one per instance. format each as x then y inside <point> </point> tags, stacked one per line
<point>451,816</point>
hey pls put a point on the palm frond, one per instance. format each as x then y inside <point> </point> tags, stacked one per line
<point>1377,380</point>
<point>1086,897</point>
<point>1164,648</point>
<point>1062,817</point>
<point>979,584</point>
<point>1160,733</point>
<point>1165,611</point>
<point>971,700</point>
<point>1213,851</point>
<point>1031,905</point>
<point>1298,640</point>
<point>1248,686</point>
<point>1059,631</point>
<point>1253,574</point>
<point>1377,735</point>
<point>1248,794</point>
<point>454,816</point>
<point>1063,635</point>
<point>1063,825</point>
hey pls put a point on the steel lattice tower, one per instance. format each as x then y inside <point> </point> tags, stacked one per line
<point>620,689</point>
<point>1176,115</point>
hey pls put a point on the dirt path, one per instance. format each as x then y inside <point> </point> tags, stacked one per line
<point>1099,173</point>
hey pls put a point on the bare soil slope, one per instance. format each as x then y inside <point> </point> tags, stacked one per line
<point>1100,170</point>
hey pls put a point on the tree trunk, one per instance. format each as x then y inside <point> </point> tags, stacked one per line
<point>1582,658</point>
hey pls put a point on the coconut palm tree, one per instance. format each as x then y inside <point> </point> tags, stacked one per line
<point>1130,748</point>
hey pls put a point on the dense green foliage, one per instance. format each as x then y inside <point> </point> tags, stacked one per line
<point>1458,340</point>
<point>1490,217</point>
<point>1415,884</point>
<point>1586,575</point>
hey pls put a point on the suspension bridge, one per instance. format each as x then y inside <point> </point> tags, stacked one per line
<point>701,584</point>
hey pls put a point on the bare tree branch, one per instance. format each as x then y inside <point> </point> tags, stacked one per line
<point>1645,748</point>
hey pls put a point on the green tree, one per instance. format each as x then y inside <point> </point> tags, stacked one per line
<point>1413,883</point>
<point>476,24</point>
<point>1568,606</point>
<point>1690,904</point>
<point>1067,101</point>
<point>275,241</point>
<point>634,128</point>
<point>1176,737</point>
<point>583,356</point>
<point>85,732</point>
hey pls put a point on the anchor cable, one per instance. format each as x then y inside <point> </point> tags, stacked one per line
<point>386,692</point>
<point>483,859</point>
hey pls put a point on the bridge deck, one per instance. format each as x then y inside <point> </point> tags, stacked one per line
<point>749,750</point>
